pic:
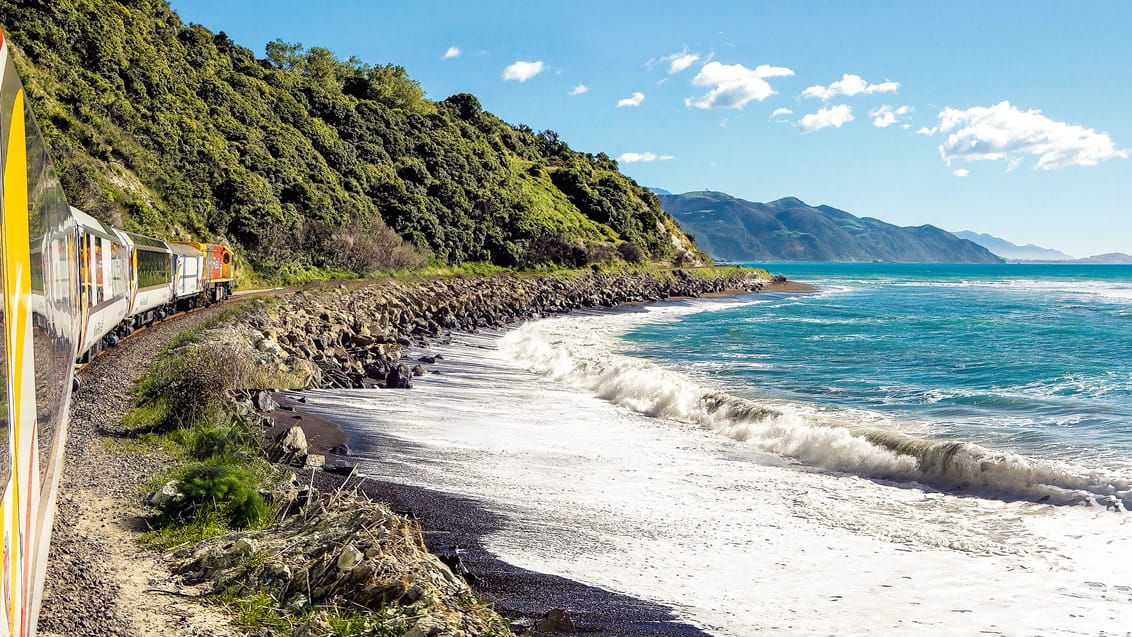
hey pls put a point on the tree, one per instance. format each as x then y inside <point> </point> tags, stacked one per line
<point>288,56</point>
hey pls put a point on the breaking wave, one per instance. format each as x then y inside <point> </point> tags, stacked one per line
<point>571,351</point>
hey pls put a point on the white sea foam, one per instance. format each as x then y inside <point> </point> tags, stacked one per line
<point>581,352</point>
<point>1075,288</point>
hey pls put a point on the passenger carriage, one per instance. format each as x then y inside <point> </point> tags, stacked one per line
<point>105,283</point>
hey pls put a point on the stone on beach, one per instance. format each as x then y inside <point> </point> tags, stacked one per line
<point>290,447</point>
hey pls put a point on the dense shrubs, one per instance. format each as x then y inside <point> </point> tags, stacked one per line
<point>217,487</point>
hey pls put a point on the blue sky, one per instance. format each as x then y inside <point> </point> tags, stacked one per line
<point>1010,118</point>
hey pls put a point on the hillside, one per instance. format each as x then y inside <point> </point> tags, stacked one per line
<point>1013,251</point>
<point>790,230</point>
<point>301,160</point>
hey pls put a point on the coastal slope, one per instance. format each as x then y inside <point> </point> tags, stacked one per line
<point>791,230</point>
<point>300,160</point>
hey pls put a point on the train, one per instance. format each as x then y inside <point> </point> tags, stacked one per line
<point>71,286</point>
<point>128,280</point>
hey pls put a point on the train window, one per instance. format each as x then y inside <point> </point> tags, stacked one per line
<point>118,269</point>
<point>227,258</point>
<point>92,276</point>
<point>153,268</point>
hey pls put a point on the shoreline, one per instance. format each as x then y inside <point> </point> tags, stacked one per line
<point>450,521</point>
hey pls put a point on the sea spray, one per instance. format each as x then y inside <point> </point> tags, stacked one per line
<point>579,352</point>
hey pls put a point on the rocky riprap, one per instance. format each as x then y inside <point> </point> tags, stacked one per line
<point>354,337</point>
<point>342,551</point>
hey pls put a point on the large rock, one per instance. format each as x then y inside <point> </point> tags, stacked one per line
<point>290,447</point>
<point>170,492</point>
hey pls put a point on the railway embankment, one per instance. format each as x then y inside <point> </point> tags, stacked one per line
<point>354,337</point>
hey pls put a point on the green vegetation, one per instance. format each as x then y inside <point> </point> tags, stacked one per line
<point>184,409</point>
<point>309,165</point>
<point>790,230</point>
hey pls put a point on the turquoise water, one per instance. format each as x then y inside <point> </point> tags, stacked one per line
<point>1026,359</point>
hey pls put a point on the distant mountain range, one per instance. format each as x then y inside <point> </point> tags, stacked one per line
<point>1108,258</point>
<point>1011,251</point>
<point>790,230</point>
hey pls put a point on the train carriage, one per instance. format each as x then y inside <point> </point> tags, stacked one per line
<point>219,270</point>
<point>40,322</point>
<point>152,267</point>
<point>105,283</point>
<point>188,275</point>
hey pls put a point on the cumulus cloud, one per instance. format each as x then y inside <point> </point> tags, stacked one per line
<point>834,116</point>
<point>1004,132</point>
<point>849,85</point>
<point>634,100</point>
<point>579,89</point>
<point>960,172</point>
<point>452,52</point>
<point>734,84</point>
<point>885,116</point>
<point>630,158</point>
<point>523,71</point>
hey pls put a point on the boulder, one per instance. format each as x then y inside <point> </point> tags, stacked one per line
<point>290,447</point>
<point>170,492</point>
<point>398,378</point>
<point>349,558</point>
<point>264,402</point>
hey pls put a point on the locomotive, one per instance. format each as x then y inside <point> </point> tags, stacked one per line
<point>70,286</point>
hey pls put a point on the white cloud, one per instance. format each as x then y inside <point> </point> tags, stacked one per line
<point>630,158</point>
<point>927,131</point>
<point>781,112</point>
<point>579,89</point>
<point>677,62</point>
<point>885,116</point>
<point>735,85</point>
<point>633,100</point>
<point>680,61</point>
<point>452,52</point>
<point>849,85</point>
<point>1005,132</point>
<point>960,172</point>
<point>523,71</point>
<point>834,116</point>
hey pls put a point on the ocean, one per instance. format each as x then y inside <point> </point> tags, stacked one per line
<point>913,449</point>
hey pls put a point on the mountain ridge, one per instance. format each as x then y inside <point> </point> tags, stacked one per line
<point>788,229</point>
<point>1012,251</point>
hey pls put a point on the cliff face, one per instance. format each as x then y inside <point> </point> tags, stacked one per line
<point>303,160</point>
<point>790,230</point>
